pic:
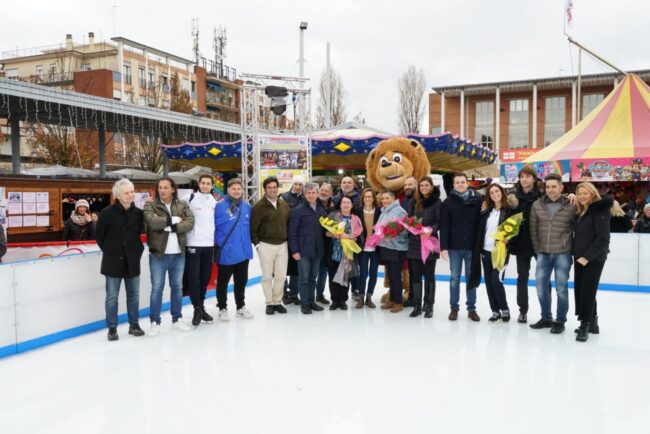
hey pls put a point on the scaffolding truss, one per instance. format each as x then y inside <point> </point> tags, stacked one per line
<point>252,125</point>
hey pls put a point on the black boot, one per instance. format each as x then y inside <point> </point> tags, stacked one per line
<point>429,298</point>
<point>594,329</point>
<point>112,334</point>
<point>196,318</point>
<point>416,296</point>
<point>583,332</point>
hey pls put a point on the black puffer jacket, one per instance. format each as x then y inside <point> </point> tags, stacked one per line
<point>591,232</point>
<point>75,232</point>
<point>621,224</point>
<point>292,199</point>
<point>430,216</point>
<point>522,245</point>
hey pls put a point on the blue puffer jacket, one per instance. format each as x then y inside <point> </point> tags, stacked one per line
<point>393,212</point>
<point>239,247</point>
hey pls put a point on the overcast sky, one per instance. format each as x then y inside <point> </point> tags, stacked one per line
<point>373,42</point>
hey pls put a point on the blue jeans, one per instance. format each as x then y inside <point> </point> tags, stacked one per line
<point>308,269</point>
<point>368,265</point>
<point>546,263</point>
<point>456,258</point>
<point>322,278</point>
<point>158,267</point>
<point>132,286</point>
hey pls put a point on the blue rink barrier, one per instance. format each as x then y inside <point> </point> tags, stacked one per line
<point>41,303</point>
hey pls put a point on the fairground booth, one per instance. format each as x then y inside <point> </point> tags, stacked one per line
<point>610,146</point>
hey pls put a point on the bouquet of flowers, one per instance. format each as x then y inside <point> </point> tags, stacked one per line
<point>388,231</point>
<point>505,232</point>
<point>428,243</point>
<point>350,247</point>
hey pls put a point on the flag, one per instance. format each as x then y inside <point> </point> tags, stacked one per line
<point>569,12</point>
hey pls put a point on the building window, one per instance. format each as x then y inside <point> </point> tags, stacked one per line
<point>554,119</point>
<point>39,71</point>
<point>152,81</point>
<point>590,102</point>
<point>12,73</point>
<point>86,67</point>
<point>518,124</point>
<point>484,123</point>
<point>52,71</point>
<point>126,70</point>
<point>142,81</point>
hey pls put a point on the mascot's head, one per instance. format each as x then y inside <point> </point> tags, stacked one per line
<point>394,160</point>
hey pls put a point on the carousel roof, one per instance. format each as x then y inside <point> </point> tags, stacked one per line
<point>619,127</point>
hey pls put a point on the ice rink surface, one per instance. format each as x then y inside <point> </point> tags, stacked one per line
<point>356,371</point>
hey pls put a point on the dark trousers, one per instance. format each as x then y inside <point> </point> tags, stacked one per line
<point>394,270</point>
<point>494,283</point>
<point>239,273</point>
<point>586,279</point>
<point>338,292</point>
<point>368,266</point>
<point>425,270</point>
<point>308,269</point>
<point>322,278</point>
<point>198,268</point>
<point>523,273</point>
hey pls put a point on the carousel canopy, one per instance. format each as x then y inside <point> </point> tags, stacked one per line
<point>619,127</point>
<point>343,147</point>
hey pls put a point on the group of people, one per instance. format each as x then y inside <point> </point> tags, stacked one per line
<point>298,256</point>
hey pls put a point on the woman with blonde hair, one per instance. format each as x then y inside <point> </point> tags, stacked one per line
<point>620,222</point>
<point>590,249</point>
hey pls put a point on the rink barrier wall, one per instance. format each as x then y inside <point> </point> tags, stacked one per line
<point>45,301</point>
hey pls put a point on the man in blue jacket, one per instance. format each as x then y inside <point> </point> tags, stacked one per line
<point>306,245</point>
<point>459,219</point>
<point>233,248</point>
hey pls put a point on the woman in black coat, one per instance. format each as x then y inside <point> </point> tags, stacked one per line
<point>620,222</point>
<point>497,207</point>
<point>427,207</point>
<point>590,248</point>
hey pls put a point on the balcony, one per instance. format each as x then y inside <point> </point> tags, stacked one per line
<point>51,78</point>
<point>221,101</point>
<point>219,71</point>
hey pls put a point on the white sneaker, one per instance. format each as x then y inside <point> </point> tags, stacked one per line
<point>223,315</point>
<point>181,326</point>
<point>244,313</point>
<point>154,329</point>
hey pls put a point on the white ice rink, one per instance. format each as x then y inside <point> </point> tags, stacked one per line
<point>359,371</point>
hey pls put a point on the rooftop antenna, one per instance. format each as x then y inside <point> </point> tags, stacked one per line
<point>195,42</point>
<point>219,44</point>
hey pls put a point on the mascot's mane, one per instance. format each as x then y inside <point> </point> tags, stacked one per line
<point>394,160</point>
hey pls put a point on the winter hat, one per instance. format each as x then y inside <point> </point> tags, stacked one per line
<point>298,179</point>
<point>81,202</point>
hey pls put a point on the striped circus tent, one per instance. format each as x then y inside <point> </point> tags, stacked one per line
<point>617,129</point>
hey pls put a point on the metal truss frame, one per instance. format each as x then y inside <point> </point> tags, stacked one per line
<point>251,127</point>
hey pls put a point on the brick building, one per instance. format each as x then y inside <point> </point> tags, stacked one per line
<point>518,117</point>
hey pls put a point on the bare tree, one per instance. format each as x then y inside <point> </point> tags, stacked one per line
<point>412,86</point>
<point>336,98</point>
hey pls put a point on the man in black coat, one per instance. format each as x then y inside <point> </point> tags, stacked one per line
<point>459,219</point>
<point>118,236</point>
<point>293,198</point>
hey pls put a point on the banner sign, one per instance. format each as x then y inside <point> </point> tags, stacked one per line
<point>510,171</point>
<point>611,169</point>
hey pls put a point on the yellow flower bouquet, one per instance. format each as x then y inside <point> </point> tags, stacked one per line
<point>505,232</point>
<point>350,247</point>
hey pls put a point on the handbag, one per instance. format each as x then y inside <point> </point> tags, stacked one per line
<point>217,248</point>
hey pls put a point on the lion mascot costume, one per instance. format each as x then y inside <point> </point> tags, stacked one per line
<point>388,166</point>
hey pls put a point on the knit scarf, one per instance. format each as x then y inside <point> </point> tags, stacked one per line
<point>234,203</point>
<point>78,219</point>
<point>463,196</point>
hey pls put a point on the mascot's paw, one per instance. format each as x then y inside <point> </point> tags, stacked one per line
<point>385,298</point>
<point>394,160</point>
<point>406,294</point>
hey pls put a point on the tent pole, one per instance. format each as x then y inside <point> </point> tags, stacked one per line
<point>579,105</point>
<point>577,44</point>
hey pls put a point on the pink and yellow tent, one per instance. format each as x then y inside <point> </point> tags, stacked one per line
<point>612,143</point>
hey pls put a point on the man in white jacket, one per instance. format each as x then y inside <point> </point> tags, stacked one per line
<point>200,248</point>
